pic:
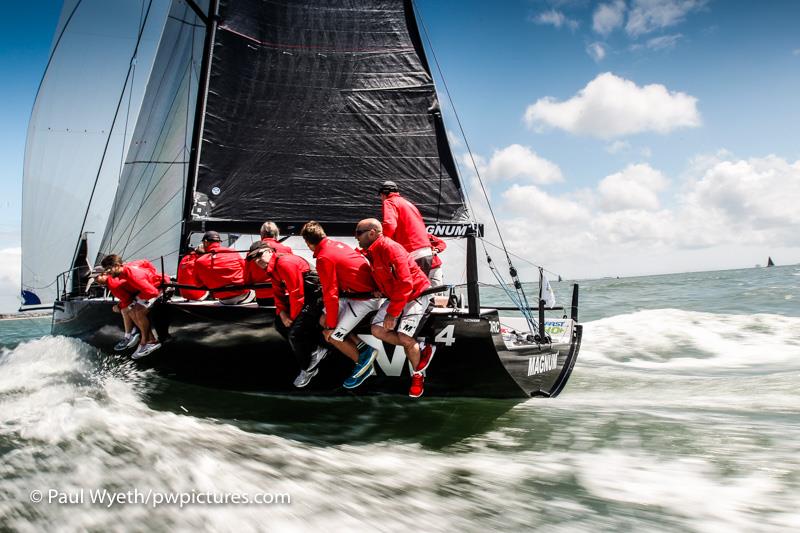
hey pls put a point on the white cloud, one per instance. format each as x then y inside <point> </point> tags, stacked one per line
<point>617,147</point>
<point>646,16</point>
<point>529,199</point>
<point>754,195</point>
<point>665,42</point>
<point>455,140</point>
<point>610,106</point>
<point>556,18</point>
<point>515,162</point>
<point>729,211</point>
<point>636,187</point>
<point>596,51</point>
<point>10,259</point>
<point>608,17</point>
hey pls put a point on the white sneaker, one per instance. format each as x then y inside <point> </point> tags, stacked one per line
<point>304,378</point>
<point>145,350</point>
<point>316,358</point>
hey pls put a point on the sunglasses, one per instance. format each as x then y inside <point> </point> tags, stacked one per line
<point>360,232</point>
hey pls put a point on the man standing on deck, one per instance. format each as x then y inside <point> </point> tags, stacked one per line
<point>348,295</point>
<point>403,223</point>
<point>402,282</point>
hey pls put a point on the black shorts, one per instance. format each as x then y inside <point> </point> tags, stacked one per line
<point>425,263</point>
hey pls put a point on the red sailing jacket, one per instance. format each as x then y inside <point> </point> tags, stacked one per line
<point>255,274</point>
<point>119,288</point>
<point>397,275</point>
<point>219,267</point>
<point>438,246</point>
<point>403,223</point>
<point>340,269</point>
<point>186,276</point>
<point>142,278</point>
<point>286,272</point>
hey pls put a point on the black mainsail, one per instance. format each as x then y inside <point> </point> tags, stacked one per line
<point>312,104</point>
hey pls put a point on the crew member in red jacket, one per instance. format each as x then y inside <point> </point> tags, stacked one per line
<point>186,275</point>
<point>348,294</point>
<point>252,273</point>
<point>435,275</point>
<point>403,223</point>
<point>142,279</point>
<point>297,306</point>
<point>118,288</point>
<point>219,267</point>
<point>402,282</point>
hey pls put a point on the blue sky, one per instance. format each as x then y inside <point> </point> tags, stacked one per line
<point>639,136</point>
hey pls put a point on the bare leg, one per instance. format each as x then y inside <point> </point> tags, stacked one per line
<point>409,344</point>
<point>126,320</point>
<point>349,346</point>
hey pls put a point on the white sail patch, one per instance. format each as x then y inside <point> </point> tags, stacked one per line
<point>543,363</point>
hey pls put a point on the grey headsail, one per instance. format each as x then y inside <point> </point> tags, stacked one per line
<point>145,221</point>
<point>311,105</point>
<point>78,132</point>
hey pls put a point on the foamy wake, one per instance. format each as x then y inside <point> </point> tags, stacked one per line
<point>70,424</point>
<point>673,339</point>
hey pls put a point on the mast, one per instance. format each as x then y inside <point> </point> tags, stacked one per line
<point>212,20</point>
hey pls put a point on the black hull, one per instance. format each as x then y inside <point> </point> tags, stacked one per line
<point>237,347</point>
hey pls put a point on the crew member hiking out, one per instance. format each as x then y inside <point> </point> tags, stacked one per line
<point>298,307</point>
<point>403,223</point>
<point>402,282</point>
<point>348,296</point>
<point>143,280</point>
<point>119,289</point>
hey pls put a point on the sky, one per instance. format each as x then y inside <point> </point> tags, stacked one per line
<point>615,138</point>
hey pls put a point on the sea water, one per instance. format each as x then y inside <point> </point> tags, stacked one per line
<point>682,414</point>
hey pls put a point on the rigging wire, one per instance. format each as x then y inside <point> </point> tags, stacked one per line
<point>520,296</point>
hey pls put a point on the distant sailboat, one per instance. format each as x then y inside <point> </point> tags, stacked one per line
<point>769,262</point>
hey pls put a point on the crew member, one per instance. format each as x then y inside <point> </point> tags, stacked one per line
<point>402,282</point>
<point>219,267</point>
<point>348,294</point>
<point>143,280</point>
<point>119,289</point>
<point>297,305</point>
<point>403,223</point>
<point>435,275</point>
<point>186,275</point>
<point>252,273</point>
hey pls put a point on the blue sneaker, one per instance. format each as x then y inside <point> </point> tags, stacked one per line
<point>354,381</point>
<point>366,357</point>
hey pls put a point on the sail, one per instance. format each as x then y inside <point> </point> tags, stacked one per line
<point>145,220</point>
<point>769,262</point>
<point>313,104</point>
<point>77,133</point>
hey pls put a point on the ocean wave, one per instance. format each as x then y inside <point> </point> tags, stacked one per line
<point>674,339</point>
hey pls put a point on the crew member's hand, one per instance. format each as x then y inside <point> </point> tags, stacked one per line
<point>377,294</point>
<point>390,322</point>
<point>326,333</point>
<point>115,308</point>
<point>285,319</point>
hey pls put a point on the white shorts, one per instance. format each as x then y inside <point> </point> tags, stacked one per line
<point>147,304</point>
<point>351,312</point>
<point>410,317</point>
